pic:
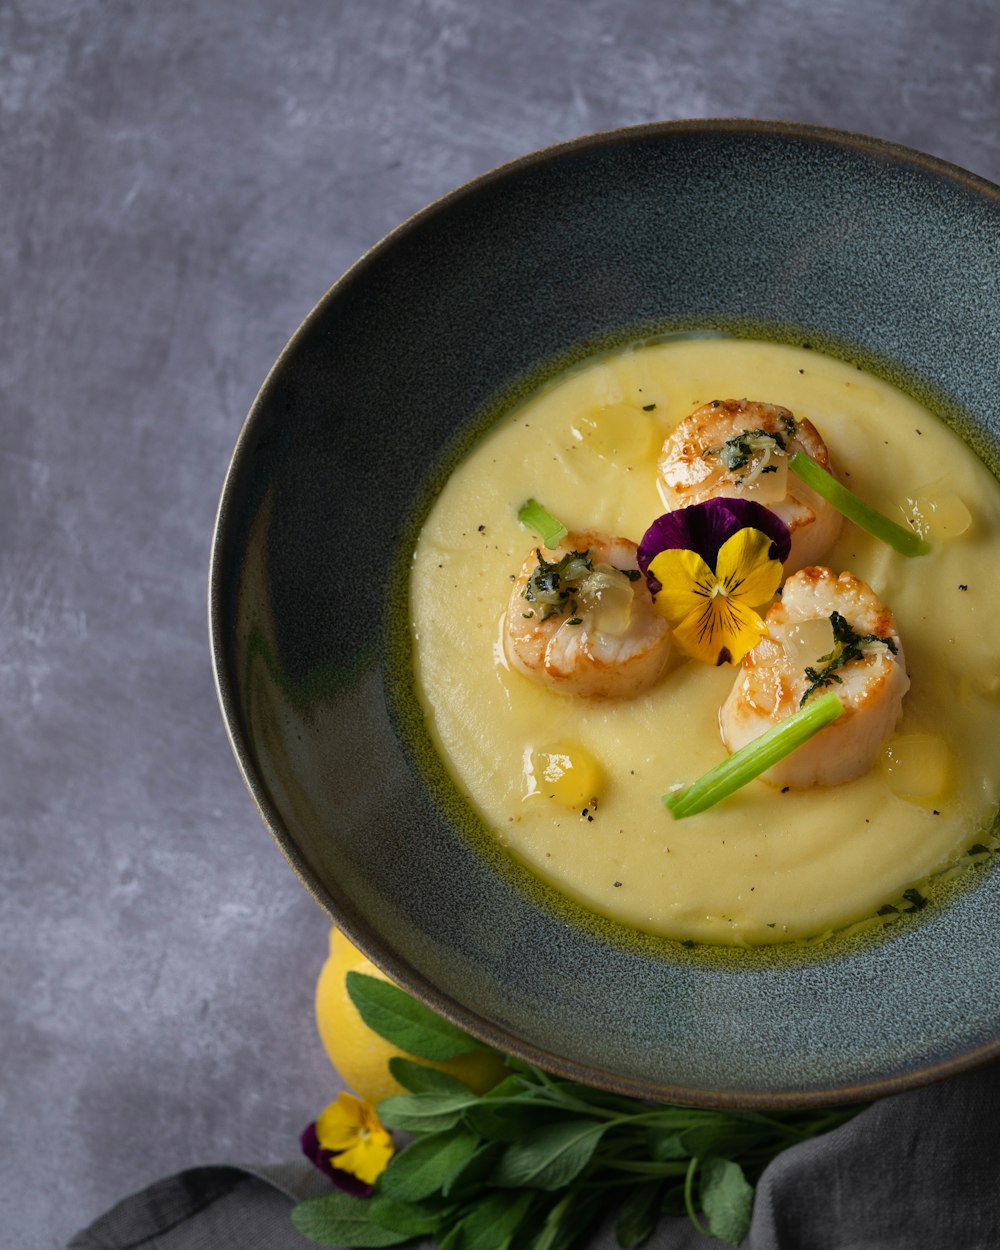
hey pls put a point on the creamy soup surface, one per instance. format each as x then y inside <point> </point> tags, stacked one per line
<point>762,866</point>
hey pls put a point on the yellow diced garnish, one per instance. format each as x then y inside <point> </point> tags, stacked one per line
<point>564,772</point>
<point>939,513</point>
<point>606,596</point>
<point>918,767</point>
<point>806,643</point>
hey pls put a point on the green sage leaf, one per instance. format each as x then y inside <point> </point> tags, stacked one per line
<point>425,1113</point>
<point>400,1019</point>
<point>551,1158</point>
<point>512,1086</point>
<point>491,1225</point>
<point>726,1200</point>
<point>418,1078</point>
<point>498,1115</point>
<point>638,1214</point>
<point>703,1140</point>
<point>412,1218</point>
<point>471,1176</point>
<point>572,1097</point>
<point>666,1144</point>
<point>576,1213</point>
<point>424,1166</point>
<point>343,1221</point>
<point>507,1121</point>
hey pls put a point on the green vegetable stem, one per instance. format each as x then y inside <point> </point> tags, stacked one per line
<point>753,759</point>
<point>549,529</point>
<point>905,541</point>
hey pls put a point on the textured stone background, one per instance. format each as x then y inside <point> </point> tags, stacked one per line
<point>181,182</point>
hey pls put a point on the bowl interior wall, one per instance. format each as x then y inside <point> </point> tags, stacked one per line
<point>861,249</point>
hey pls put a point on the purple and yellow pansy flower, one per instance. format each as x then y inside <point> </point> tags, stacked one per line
<point>349,1144</point>
<point>708,567</point>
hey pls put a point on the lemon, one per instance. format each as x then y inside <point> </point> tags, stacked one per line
<point>361,1056</point>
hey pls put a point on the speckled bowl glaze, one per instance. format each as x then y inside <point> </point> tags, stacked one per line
<point>866,250</point>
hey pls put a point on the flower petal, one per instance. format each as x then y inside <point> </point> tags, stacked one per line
<point>704,527</point>
<point>745,568</point>
<point>719,631</point>
<point>368,1158</point>
<point>339,1125</point>
<point>369,1117</point>
<point>314,1152</point>
<point>685,582</point>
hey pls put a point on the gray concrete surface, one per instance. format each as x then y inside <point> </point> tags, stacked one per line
<point>180,183</point>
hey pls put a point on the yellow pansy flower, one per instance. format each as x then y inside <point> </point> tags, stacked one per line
<point>353,1133</point>
<point>709,567</point>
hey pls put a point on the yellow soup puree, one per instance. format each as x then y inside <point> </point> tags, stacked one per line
<point>761,866</point>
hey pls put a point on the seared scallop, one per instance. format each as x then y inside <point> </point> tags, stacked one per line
<point>739,449</point>
<point>581,619</point>
<point>824,633</point>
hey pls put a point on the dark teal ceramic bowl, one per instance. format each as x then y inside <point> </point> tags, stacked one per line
<point>866,250</point>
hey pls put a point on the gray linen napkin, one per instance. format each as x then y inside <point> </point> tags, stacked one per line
<point>920,1169</point>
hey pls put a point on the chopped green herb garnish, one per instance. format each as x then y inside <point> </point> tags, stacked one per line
<point>632,574</point>
<point>737,452</point>
<point>750,452</point>
<point>905,541</point>
<point>549,529</point>
<point>753,759</point>
<point>916,898</point>
<point>554,585</point>
<point>848,646</point>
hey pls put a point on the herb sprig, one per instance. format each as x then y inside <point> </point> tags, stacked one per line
<point>848,646</point>
<point>554,585</point>
<point>754,448</point>
<point>737,452</point>
<point>538,1161</point>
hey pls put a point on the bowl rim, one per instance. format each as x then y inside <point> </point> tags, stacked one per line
<point>340,912</point>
